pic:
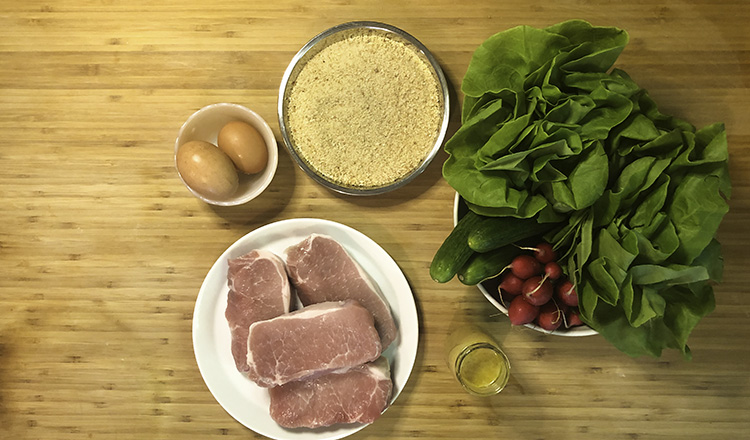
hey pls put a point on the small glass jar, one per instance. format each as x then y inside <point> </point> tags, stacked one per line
<point>477,361</point>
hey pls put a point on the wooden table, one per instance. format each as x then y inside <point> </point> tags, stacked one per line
<point>103,250</point>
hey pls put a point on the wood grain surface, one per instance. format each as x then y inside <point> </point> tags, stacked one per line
<point>103,249</point>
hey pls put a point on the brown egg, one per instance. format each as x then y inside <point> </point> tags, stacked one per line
<point>207,170</point>
<point>244,145</point>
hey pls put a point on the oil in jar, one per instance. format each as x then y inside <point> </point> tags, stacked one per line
<point>477,361</point>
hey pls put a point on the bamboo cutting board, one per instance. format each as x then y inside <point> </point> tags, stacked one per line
<point>103,250</point>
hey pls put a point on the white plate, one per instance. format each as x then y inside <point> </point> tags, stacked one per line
<point>240,397</point>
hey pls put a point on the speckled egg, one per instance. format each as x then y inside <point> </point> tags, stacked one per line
<point>207,170</point>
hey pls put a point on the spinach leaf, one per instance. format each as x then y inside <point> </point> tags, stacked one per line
<point>551,130</point>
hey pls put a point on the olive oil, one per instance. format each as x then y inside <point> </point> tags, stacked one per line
<point>477,361</point>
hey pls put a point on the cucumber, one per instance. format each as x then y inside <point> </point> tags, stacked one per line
<point>496,232</point>
<point>486,265</point>
<point>455,250</point>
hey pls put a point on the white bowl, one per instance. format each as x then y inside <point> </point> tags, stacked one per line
<point>582,330</point>
<point>205,124</point>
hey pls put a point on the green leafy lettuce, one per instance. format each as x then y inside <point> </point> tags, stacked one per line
<point>551,131</point>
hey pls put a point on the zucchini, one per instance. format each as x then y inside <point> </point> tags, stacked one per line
<point>455,250</point>
<point>486,265</point>
<point>496,232</point>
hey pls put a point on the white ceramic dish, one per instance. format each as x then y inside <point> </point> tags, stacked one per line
<point>488,286</point>
<point>240,397</point>
<point>205,124</point>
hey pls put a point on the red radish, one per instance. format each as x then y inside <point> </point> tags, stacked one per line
<point>545,253</point>
<point>552,270</point>
<point>525,267</point>
<point>537,290</point>
<point>520,312</point>
<point>566,291</point>
<point>573,318</point>
<point>550,316</point>
<point>511,284</point>
<point>505,298</point>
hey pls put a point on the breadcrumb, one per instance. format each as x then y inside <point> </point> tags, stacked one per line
<point>365,111</point>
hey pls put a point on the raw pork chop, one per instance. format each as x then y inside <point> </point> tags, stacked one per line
<point>311,341</point>
<point>354,395</point>
<point>258,289</point>
<point>322,270</point>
